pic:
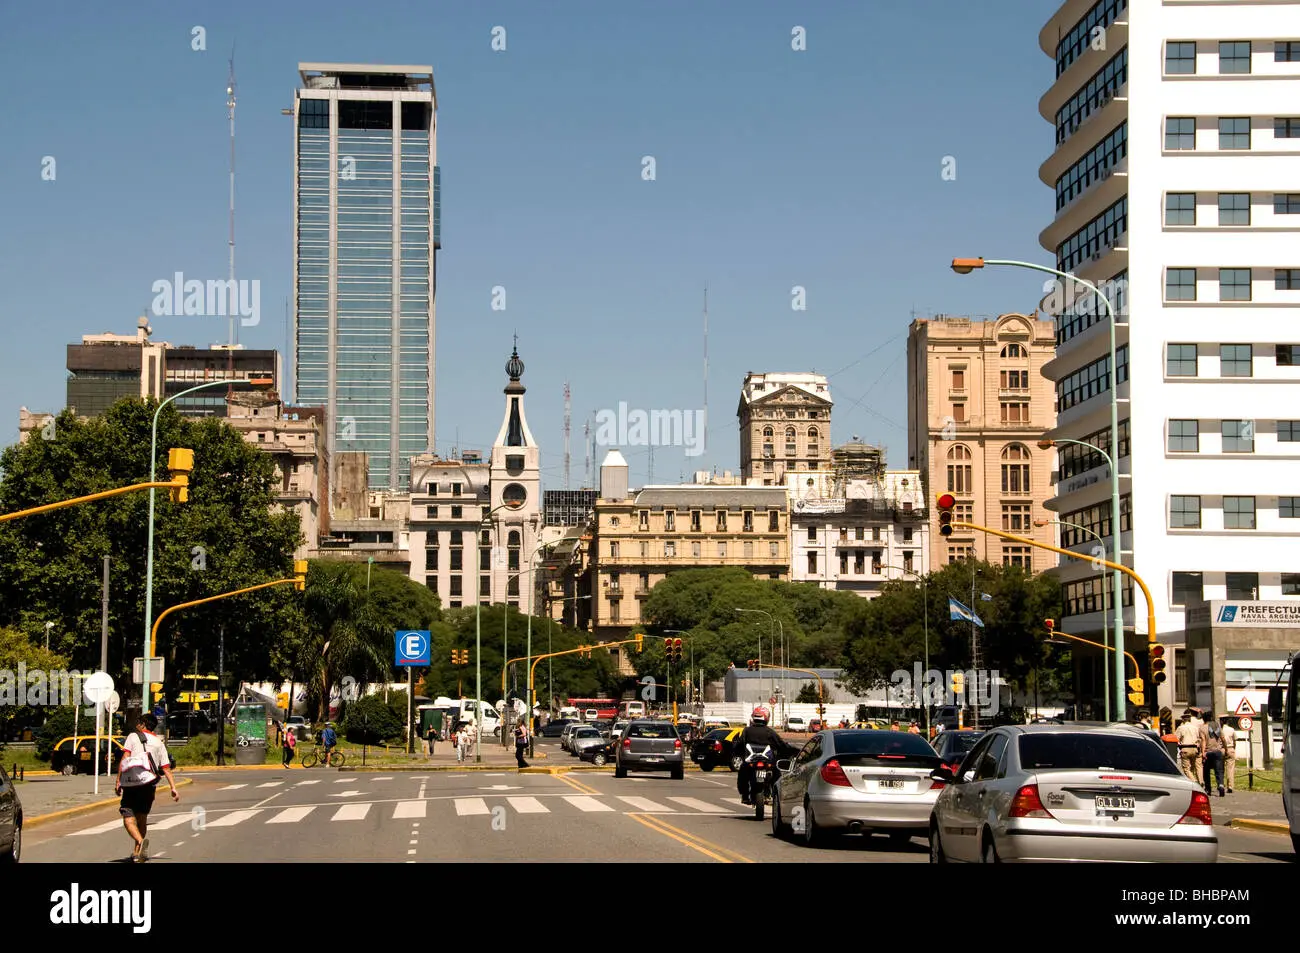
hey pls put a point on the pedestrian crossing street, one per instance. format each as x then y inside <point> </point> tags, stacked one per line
<point>438,806</point>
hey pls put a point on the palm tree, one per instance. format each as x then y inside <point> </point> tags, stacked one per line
<point>344,634</point>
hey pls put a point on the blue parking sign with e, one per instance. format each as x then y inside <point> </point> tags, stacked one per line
<point>413,647</point>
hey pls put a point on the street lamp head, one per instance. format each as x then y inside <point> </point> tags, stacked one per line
<point>260,383</point>
<point>964,266</point>
<point>1046,444</point>
<point>1041,522</point>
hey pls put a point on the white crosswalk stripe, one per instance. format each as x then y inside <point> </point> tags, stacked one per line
<point>301,783</point>
<point>528,805</point>
<point>167,823</point>
<point>469,806</point>
<point>645,804</point>
<point>351,812</point>
<point>410,809</point>
<point>697,805</point>
<point>233,818</point>
<point>291,815</point>
<point>271,784</point>
<point>232,787</point>
<point>100,829</point>
<point>586,804</point>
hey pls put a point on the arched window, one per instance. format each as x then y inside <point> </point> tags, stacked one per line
<point>515,541</point>
<point>791,448</point>
<point>812,433</point>
<point>959,470</point>
<point>767,433</point>
<point>789,433</point>
<point>1015,469</point>
<point>1014,351</point>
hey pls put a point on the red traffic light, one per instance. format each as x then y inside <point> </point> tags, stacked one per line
<point>1157,651</point>
<point>1050,624</point>
<point>947,501</point>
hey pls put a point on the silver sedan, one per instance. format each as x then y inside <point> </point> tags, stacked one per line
<point>857,782</point>
<point>1070,793</point>
<point>585,738</point>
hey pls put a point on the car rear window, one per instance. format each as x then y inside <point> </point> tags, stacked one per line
<point>1089,751</point>
<point>881,743</point>
<point>964,741</point>
<point>651,731</point>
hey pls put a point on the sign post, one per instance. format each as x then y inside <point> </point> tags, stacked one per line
<point>98,689</point>
<point>413,648</point>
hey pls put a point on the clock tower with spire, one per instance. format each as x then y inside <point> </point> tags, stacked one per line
<point>515,479</point>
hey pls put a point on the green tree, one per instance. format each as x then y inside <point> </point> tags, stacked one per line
<point>371,720</point>
<point>229,535</point>
<point>19,654</point>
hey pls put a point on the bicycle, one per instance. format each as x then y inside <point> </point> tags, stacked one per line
<point>317,756</point>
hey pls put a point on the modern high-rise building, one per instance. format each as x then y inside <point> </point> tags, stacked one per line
<point>1177,131</point>
<point>366,216</point>
<point>977,405</point>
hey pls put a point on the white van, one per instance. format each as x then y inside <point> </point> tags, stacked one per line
<point>569,713</point>
<point>469,714</point>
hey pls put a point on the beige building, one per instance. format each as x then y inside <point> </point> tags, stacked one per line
<point>785,425</point>
<point>641,536</point>
<point>977,405</point>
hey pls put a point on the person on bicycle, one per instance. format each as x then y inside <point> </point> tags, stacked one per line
<point>329,739</point>
<point>757,736</point>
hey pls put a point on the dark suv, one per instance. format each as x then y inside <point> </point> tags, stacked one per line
<point>650,746</point>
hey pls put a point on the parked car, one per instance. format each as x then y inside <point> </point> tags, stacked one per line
<point>585,737</point>
<point>1070,792</point>
<point>301,728</point>
<point>77,755</point>
<point>556,728</point>
<point>857,782</point>
<point>567,734</point>
<point>617,730</point>
<point>953,746</point>
<point>796,723</point>
<point>11,822</point>
<point>650,746</point>
<point>187,724</point>
<point>599,755</point>
<point>714,749</point>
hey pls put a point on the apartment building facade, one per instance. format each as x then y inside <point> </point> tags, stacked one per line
<point>785,425</point>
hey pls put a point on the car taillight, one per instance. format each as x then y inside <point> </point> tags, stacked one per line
<point>677,744</point>
<point>956,767</point>
<point>936,785</point>
<point>1027,803</point>
<point>832,773</point>
<point>717,746</point>
<point>1199,812</point>
<point>627,742</point>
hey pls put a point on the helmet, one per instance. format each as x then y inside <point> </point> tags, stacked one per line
<point>759,715</point>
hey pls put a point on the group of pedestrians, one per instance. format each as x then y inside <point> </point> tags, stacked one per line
<point>1207,750</point>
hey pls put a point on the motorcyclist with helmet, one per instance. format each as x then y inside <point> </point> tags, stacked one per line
<point>757,735</point>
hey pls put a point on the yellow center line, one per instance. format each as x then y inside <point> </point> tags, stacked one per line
<point>577,785</point>
<point>721,854</point>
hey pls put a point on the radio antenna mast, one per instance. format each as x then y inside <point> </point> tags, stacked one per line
<point>706,371</point>
<point>230,106</point>
<point>568,413</point>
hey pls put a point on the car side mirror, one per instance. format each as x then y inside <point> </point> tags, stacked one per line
<point>945,775</point>
<point>783,766</point>
<point>1275,703</point>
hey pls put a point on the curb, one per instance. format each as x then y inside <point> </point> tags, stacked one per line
<point>81,809</point>
<point>1272,827</point>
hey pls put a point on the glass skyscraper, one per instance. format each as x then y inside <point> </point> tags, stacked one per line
<point>366,210</point>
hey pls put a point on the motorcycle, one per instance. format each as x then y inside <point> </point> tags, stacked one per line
<point>764,780</point>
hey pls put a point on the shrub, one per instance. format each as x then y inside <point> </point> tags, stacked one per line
<point>372,721</point>
<point>57,727</point>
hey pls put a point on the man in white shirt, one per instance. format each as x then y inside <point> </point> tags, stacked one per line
<point>144,762</point>
<point>1229,739</point>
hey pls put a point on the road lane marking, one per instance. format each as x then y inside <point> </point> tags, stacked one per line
<point>312,781</point>
<point>291,815</point>
<point>469,806</point>
<point>586,803</point>
<point>645,804</point>
<point>698,805</point>
<point>381,779</point>
<point>423,784</point>
<point>170,821</point>
<point>351,812</point>
<point>717,852</point>
<point>230,820</point>
<point>271,784</point>
<point>232,787</point>
<point>528,805</point>
<point>577,785</point>
<point>410,809</point>
<point>100,829</point>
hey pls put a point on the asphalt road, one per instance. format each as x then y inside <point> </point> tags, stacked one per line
<point>326,815</point>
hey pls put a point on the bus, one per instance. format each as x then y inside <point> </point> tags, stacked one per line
<point>1284,709</point>
<point>606,709</point>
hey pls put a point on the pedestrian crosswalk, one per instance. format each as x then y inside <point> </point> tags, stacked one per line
<point>436,807</point>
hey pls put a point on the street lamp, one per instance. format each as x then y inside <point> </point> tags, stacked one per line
<point>964,266</point>
<point>478,631</point>
<point>505,633</point>
<point>550,672</point>
<point>1105,667</point>
<point>925,607</point>
<point>253,383</point>
<point>770,638</point>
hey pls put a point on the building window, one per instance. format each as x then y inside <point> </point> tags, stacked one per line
<point>695,521</point>
<point>1180,208</point>
<point>1184,436</point>
<point>1243,585</point>
<point>1188,588</point>
<point>670,549</point>
<point>720,519</point>
<point>1286,128</point>
<point>859,532</point>
<point>1238,512</point>
<point>484,539</point>
<point>1235,360</point>
<point>1180,133</point>
<point>670,521</point>
<point>959,380</point>
<point>1015,469</point>
<point>812,534</point>
<point>431,489</point>
<point>695,550</point>
<point>1288,507</point>
<point>1017,556</point>
<point>1015,380</point>
<point>1234,284</point>
<point>722,550</point>
<point>484,558</point>
<point>773,550</point>
<point>790,447</point>
<point>963,512</point>
<point>1286,51</point>
<point>1288,431</point>
<point>485,587</point>
<point>1234,56</point>
<point>431,555</point>
<point>812,564</point>
<point>907,560</point>
<point>456,512</point>
<point>1185,512</point>
<point>1016,517</point>
<point>455,489</point>
<point>957,553</point>
<point>613,521</point>
<point>1286,203</point>
<point>1180,284</point>
<point>1286,279</point>
<point>1180,360</point>
<point>1291,583</point>
<point>644,519</point>
<point>875,563</point>
<point>859,562</point>
<point>844,564</point>
<point>1015,413</point>
<point>749,549</point>
<point>1234,132</point>
<point>1014,351</point>
<point>614,580</point>
<point>1096,166</point>
<point>431,582</point>
<point>959,413</point>
<point>1093,96</point>
<point>457,563</point>
<point>1238,436</point>
<point>613,612</point>
<point>1234,208</point>
<point>1091,241</point>
<point>907,534</point>
<point>1180,58</point>
<point>875,534</point>
<point>959,470</point>
<point>513,546</point>
<point>613,550</point>
<point>456,586</point>
<point>431,512</point>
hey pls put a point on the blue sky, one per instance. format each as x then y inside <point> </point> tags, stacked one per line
<point>774,168</point>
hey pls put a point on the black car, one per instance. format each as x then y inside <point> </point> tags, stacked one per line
<point>599,755</point>
<point>11,822</point>
<point>556,728</point>
<point>714,749</point>
<point>187,724</point>
<point>953,746</point>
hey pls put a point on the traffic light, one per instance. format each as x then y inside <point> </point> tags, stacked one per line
<point>668,650</point>
<point>677,650</point>
<point>946,503</point>
<point>640,642</point>
<point>1050,625</point>
<point>1135,694</point>
<point>180,462</point>
<point>1157,664</point>
<point>300,571</point>
<point>958,682</point>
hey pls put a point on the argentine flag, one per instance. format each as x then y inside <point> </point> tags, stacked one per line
<point>957,611</point>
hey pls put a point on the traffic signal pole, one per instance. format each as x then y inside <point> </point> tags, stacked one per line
<point>1135,684</point>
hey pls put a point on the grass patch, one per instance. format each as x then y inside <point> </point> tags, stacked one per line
<point>1265,782</point>
<point>24,758</point>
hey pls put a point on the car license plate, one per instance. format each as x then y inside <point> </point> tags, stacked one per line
<point>891,785</point>
<point>760,775</point>
<point>1116,805</point>
<point>654,759</point>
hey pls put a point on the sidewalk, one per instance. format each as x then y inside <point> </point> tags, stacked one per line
<point>1251,810</point>
<point>54,796</point>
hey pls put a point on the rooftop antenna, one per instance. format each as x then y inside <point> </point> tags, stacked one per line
<point>230,105</point>
<point>586,439</point>
<point>706,369</point>
<point>568,414</point>
<point>650,478</point>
